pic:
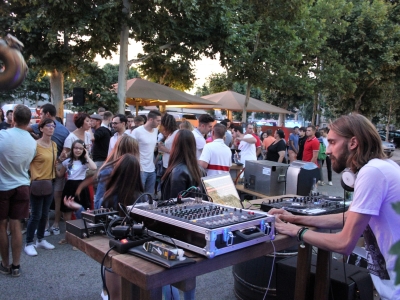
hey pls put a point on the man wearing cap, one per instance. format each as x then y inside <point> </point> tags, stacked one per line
<point>101,139</point>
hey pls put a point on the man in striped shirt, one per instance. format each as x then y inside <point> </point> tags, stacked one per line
<point>216,156</point>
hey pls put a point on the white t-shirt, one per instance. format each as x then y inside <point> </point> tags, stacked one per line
<point>377,187</point>
<point>248,151</point>
<point>168,144</point>
<point>72,138</point>
<point>113,141</point>
<point>77,171</point>
<point>200,142</point>
<point>147,142</point>
<point>218,156</point>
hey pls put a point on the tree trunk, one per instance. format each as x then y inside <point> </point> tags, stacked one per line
<point>123,62</point>
<point>246,102</point>
<point>314,111</point>
<point>57,91</point>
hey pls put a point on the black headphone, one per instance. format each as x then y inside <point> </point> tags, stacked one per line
<point>348,180</point>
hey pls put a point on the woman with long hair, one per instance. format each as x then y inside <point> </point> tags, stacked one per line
<point>125,144</point>
<point>123,185</point>
<point>42,168</point>
<point>183,170</point>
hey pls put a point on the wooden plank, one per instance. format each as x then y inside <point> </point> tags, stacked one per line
<point>94,246</point>
<point>322,275</point>
<point>303,274</point>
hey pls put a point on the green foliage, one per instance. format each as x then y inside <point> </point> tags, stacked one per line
<point>98,85</point>
<point>177,74</point>
<point>395,249</point>
<point>369,50</point>
<point>111,73</point>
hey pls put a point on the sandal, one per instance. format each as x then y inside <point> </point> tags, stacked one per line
<point>63,242</point>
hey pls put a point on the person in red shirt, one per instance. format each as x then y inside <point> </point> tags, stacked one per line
<point>311,146</point>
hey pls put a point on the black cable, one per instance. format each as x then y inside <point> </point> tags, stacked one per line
<point>344,264</point>
<point>134,203</point>
<point>102,271</point>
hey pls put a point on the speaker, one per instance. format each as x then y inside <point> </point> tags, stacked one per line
<point>78,96</point>
<point>357,285</point>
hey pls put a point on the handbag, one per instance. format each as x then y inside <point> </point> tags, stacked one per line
<point>41,187</point>
<point>159,167</point>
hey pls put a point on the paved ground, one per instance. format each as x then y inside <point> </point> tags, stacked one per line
<point>63,273</point>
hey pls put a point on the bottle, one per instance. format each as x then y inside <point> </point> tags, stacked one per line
<point>314,188</point>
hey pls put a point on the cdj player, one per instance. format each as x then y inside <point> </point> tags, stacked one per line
<point>310,205</point>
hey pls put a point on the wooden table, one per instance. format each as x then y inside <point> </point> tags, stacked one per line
<point>141,279</point>
<point>235,170</point>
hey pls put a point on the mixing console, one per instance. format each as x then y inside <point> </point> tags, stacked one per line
<point>204,227</point>
<point>207,215</point>
<point>313,205</point>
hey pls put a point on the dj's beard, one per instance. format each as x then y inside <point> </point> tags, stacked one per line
<point>339,162</point>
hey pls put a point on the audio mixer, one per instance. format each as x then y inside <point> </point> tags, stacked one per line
<point>311,206</point>
<point>204,227</point>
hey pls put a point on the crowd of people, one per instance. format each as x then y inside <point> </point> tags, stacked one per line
<point>110,160</point>
<point>171,158</point>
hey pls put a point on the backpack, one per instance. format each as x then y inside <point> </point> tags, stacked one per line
<point>322,151</point>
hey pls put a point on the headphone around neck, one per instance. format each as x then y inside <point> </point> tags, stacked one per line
<point>348,180</point>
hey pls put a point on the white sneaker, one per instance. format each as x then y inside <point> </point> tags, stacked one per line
<point>43,244</point>
<point>46,232</point>
<point>56,230</point>
<point>30,250</point>
<point>330,183</point>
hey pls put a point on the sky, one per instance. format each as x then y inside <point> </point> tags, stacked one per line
<point>203,68</point>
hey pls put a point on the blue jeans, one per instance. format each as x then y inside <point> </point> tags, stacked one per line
<point>170,292</point>
<point>148,181</point>
<point>40,207</point>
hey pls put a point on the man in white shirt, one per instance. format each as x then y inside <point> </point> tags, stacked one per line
<point>247,144</point>
<point>146,136</point>
<point>216,156</point>
<point>119,125</point>
<point>205,126</point>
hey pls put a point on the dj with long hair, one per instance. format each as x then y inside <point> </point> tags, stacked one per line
<point>183,170</point>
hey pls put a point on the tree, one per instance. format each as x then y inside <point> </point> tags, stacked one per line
<point>111,73</point>
<point>62,35</point>
<point>98,86</point>
<point>369,50</point>
<point>176,74</point>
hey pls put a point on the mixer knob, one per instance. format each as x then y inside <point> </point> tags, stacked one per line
<point>240,210</point>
